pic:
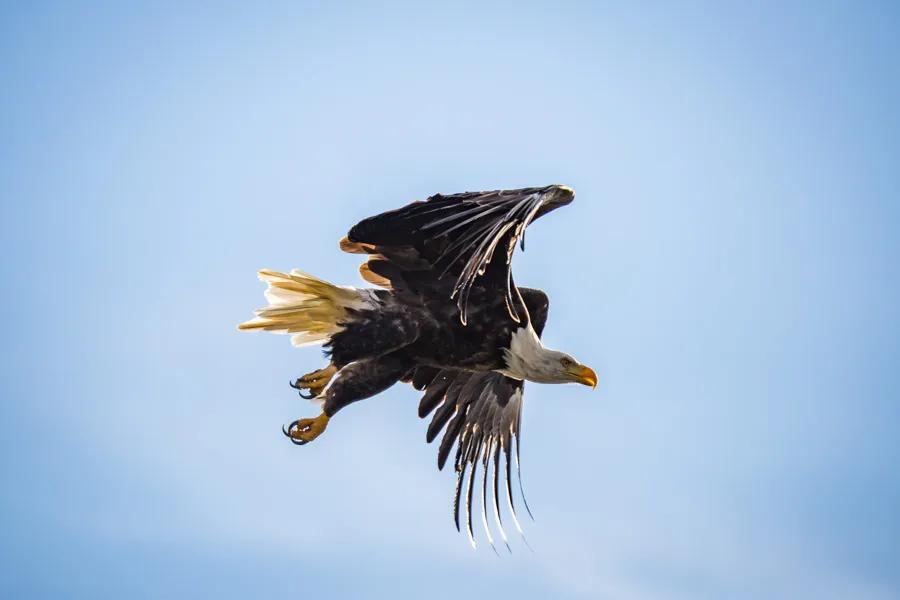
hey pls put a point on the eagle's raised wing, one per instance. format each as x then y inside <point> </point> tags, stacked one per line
<point>450,241</point>
<point>480,413</point>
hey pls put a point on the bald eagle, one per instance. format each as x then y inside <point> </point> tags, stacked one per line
<point>447,318</point>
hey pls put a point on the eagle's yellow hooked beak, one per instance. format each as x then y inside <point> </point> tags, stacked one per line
<point>584,375</point>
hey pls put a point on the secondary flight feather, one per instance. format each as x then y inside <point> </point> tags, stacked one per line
<point>446,317</point>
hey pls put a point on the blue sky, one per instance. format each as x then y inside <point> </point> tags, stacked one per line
<point>729,267</point>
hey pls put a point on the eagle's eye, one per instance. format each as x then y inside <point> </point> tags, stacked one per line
<point>566,362</point>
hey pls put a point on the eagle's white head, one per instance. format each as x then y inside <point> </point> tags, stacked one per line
<point>527,358</point>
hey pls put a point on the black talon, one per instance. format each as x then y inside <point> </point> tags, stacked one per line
<point>309,396</point>
<point>295,384</point>
<point>294,441</point>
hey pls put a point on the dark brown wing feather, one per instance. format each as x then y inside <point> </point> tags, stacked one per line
<point>449,242</point>
<point>480,414</point>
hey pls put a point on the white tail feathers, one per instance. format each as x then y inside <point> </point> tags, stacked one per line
<point>307,307</point>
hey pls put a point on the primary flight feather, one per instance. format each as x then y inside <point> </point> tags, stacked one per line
<point>448,318</point>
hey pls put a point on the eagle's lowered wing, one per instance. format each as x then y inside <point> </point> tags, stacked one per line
<point>481,414</point>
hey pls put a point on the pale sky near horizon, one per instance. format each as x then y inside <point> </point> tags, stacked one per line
<point>729,267</point>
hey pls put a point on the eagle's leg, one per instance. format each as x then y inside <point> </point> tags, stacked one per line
<point>315,382</point>
<point>357,381</point>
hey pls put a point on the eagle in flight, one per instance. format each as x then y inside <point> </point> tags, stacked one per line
<point>447,318</point>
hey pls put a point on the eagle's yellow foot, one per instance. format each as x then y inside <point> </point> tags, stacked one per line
<point>315,382</point>
<point>303,431</point>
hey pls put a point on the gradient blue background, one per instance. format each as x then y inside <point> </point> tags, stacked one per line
<point>729,267</point>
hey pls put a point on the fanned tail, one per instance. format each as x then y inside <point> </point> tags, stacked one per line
<point>309,309</point>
